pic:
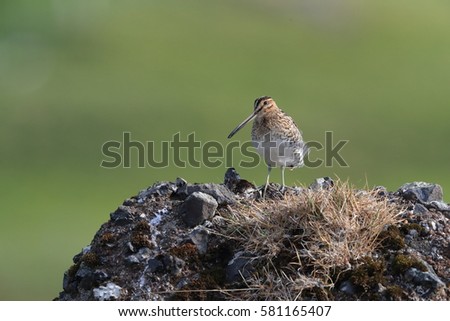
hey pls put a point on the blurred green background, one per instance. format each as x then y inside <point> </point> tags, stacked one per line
<point>75,74</point>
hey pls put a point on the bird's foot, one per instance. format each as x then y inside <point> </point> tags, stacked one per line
<point>271,191</point>
<point>262,191</point>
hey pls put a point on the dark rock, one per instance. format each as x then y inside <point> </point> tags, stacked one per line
<point>67,283</point>
<point>77,258</point>
<point>155,265</point>
<point>221,194</point>
<point>348,288</point>
<point>86,277</point>
<point>413,233</point>
<point>240,267</point>
<point>158,189</point>
<point>235,184</point>
<point>231,178</point>
<point>421,192</point>
<point>321,183</point>
<point>121,216</point>
<point>419,209</point>
<point>83,271</point>
<point>427,279</point>
<point>180,182</point>
<point>198,207</point>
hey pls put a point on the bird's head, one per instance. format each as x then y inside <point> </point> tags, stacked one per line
<point>261,106</point>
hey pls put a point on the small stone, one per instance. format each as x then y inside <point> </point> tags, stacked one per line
<point>421,192</point>
<point>180,182</point>
<point>321,183</point>
<point>381,191</point>
<point>182,283</point>
<point>198,207</point>
<point>199,237</point>
<point>130,247</point>
<point>440,206</point>
<point>347,287</point>
<point>231,178</point>
<point>131,260</point>
<point>239,267</point>
<point>235,184</point>
<point>380,288</point>
<point>432,225</point>
<point>100,276</point>
<point>121,216</point>
<point>154,265</point>
<point>86,249</point>
<point>419,209</point>
<point>108,292</point>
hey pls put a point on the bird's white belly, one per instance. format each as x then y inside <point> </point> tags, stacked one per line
<point>279,152</point>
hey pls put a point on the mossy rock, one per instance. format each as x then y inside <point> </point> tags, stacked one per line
<point>401,263</point>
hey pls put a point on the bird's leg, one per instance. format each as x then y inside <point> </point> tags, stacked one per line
<point>282,179</point>
<point>269,168</point>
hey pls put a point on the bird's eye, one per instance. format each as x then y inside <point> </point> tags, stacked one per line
<point>265,103</point>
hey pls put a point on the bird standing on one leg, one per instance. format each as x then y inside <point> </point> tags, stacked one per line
<point>275,136</point>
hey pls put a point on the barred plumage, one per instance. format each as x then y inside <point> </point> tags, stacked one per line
<point>275,136</point>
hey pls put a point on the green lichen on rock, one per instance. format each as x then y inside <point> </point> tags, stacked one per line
<point>395,293</point>
<point>90,259</point>
<point>369,274</point>
<point>392,238</point>
<point>140,237</point>
<point>402,262</point>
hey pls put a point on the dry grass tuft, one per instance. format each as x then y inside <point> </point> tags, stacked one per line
<point>299,243</point>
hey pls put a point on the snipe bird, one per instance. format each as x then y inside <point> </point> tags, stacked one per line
<point>275,136</point>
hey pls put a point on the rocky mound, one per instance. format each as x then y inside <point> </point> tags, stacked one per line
<point>180,241</point>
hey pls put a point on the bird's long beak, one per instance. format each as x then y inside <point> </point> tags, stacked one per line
<point>249,118</point>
